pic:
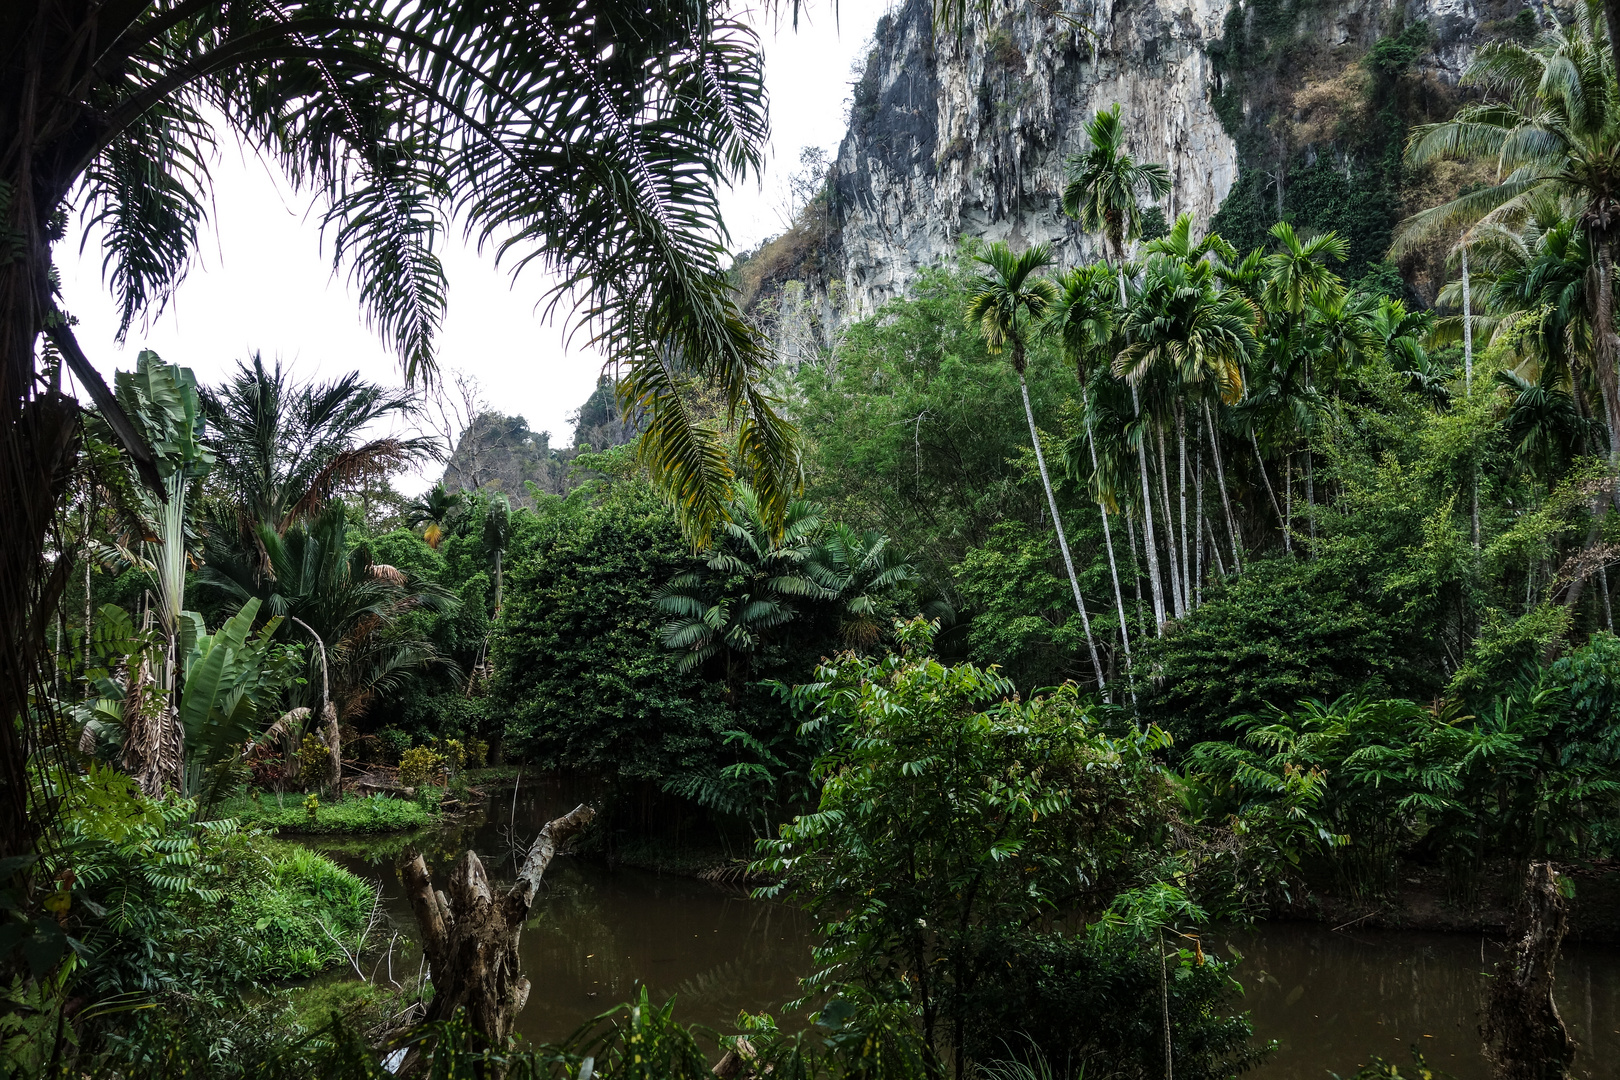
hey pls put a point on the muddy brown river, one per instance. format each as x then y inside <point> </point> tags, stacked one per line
<point>1330,1000</point>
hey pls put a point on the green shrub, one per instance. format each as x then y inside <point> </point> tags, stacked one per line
<point>581,673</point>
<point>417,764</point>
<point>952,817</point>
<point>1284,631</point>
<point>1092,1007</point>
<point>293,915</point>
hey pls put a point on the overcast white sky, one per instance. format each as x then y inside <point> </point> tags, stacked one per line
<point>263,283</point>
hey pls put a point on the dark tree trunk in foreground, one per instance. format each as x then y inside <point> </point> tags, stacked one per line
<point>470,935</point>
<point>1525,1037</point>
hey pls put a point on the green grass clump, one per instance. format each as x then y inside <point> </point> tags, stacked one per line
<point>292,915</point>
<point>379,814</point>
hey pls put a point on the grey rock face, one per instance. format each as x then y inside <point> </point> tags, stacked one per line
<point>968,136</point>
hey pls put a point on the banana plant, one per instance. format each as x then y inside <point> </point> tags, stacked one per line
<point>227,682</point>
<point>161,400</point>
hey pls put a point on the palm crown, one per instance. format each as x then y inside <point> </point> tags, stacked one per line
<point>1010,300</point>
<point>1104,183</point>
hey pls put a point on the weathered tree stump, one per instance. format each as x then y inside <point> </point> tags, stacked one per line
<point>470,935</point>
<point>1525,1037</point>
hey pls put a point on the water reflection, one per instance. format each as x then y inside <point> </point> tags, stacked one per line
<point>595,933</point>
<point>1331,1000</point>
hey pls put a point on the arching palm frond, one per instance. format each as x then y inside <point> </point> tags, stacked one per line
<point>589,140</point>
<point>282,448</point>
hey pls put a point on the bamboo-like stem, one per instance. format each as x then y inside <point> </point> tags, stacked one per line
<point>1220,479</point>
<point>1176,594</point>
<point>1063,541</point>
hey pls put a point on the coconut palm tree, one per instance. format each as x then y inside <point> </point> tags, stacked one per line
<point>1103,194</point>
<point>1008,304</point>
<point>1550,123</point>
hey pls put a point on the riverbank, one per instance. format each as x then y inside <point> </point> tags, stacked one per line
<point>294,815</point>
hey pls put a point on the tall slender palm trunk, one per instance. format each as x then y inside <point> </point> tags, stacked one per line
<point>1468,377</point>
<point>1276,507</point>
<point>1176,595</point>
<point>1108,540</point>
<point>1057,523</point>
<point>1149,542</point>
<point>1198,526</point>
<point>1220,479</point>
<point>1188,574</point>
<point>1136,577</point>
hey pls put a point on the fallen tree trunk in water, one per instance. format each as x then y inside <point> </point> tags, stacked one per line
<point>1525,1037</point>
<point>470,935</point>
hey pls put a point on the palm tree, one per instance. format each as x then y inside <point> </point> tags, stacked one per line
<point>1196,337</point>
<point>864,572</point>
<point>1102,194</point>
<point>435,512</point>
<point>1008,303</point>
<point>749,585</point>
<point>334,599</point>
<point>1550,122</point>
<point>406,116</point>
<point>1084,318</point>
<point>1105,182</point>
<point>283,448</point>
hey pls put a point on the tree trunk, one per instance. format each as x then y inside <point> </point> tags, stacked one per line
<point>470,935</point>
<point>1524,1035</point>
<point>1164,1002</point>
<point>1108,539</point>
<point>1063,541</point>
<point>1220,479</point>
<point>1215,546</point>
<point>1176,595</point>
<point>1271,491</point>
<point>1198,521</point>
<point>1187,575</point>
<point>89,497</point>
<point>1149,543</point>
<point>1288,503</point>
<point>1468,377</point>
<point>1136,579</point>
<point>1310,498</point>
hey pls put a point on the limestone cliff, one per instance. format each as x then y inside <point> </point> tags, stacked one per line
<point>968,136</point>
